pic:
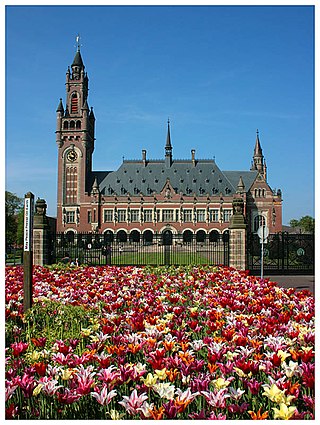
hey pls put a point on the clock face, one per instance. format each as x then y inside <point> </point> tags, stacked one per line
<point>72,156</point>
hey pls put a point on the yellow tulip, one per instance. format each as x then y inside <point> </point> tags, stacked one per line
<point>86,332</point>
<point>161,374</point>
<point>116,416</point>
<point>274,393</point>
<point>150,380</point>
<point>220,383</point>
<point>284,412</point>
<point>37,389</point>
<point>283,355</point>
<point>67,374</point>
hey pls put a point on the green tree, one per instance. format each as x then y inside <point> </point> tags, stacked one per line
<point>306,224</point>
<point>13,207</point>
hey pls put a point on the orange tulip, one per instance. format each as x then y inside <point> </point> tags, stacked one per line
<point>157,414</point>
<point>258,415</point>
<point>172,374</point>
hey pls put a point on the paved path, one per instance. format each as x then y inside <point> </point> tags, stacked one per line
<point>298,282</point>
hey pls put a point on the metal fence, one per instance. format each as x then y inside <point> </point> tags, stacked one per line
<point>284,253</point>
<point>164,249</point>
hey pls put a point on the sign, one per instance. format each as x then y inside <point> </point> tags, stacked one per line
<point>27,251</point>
<point>263,233</point>
<point>28,224</point>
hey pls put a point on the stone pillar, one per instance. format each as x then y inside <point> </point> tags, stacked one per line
<point>237,236</point>
<point>41,234</point>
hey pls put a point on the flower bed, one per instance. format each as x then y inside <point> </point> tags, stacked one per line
<point>165,343</point>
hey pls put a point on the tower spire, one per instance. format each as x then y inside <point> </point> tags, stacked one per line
<point>257,149</point>
<point>168,148</point>
<point>258,159</point>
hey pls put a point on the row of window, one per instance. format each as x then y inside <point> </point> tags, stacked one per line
<point>72,125</point>
<point>150,215</point>
<point>166,215</point>
<point>70,216</point>
<point>260,193</point>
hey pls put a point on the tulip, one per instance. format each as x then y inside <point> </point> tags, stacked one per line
<point>133,402</point>
<point>284,412</point>
<point>104,396</point>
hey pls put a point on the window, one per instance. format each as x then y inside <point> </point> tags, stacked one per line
<point>74,103</point>
<point>70,217</point>
<point>201,216</point>
<point>214,216</point>
<point>135,215</point>
<point>187,216</point>
<point>71,185</point>
<point>122,216</point>
<point>167,215</point>
<point>78,124</point>
<point>227,215</point>
<point>259,220</point>
<point>89,217</point>
<point>107,216</point>
<point>201,236</point>
<point>147,216</point>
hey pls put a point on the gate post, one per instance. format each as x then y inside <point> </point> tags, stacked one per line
<point>41,245</point>
<point>237,236</point>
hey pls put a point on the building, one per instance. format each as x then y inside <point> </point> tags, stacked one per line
<point>147,197</point>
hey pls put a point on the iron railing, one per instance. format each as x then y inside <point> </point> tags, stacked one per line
<point>284,253</point>
<point>163,249</point>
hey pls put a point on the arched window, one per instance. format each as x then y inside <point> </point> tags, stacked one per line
<point>259,220</point>
<point>167,237</point>
<point>108,236</point>
<point>78,124</point>
<point>74,103</point>
<point>66,125</point>
<point>214,236</point>
<point>187,236</point>
<point>201,236</point>
<point>122,236</point>
<point>134,236</point>
<point>225,236</point>
<point>70,236</point>
<point>148,237</point>
<point>72,124</point>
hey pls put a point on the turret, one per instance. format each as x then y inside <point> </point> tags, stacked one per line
<point>60,113</point>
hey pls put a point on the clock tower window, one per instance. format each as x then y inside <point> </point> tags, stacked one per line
<point>74,104</point>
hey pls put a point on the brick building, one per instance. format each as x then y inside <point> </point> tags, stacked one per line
<point>146,197</point>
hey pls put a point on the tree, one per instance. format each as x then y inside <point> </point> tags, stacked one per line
<point>306,224</point>
<point>13,207</point>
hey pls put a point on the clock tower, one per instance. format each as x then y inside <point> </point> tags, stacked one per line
<point>75,141</point>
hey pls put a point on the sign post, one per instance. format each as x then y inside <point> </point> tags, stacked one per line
<point>27,250</point>
<point>263,233</point>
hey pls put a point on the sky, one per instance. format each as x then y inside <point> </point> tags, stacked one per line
<point>218,73</point>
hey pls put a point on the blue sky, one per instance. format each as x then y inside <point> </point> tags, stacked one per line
<point>218,72</point>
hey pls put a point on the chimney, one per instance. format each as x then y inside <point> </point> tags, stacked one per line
<point>193,153</point>
<point>144,157</point>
